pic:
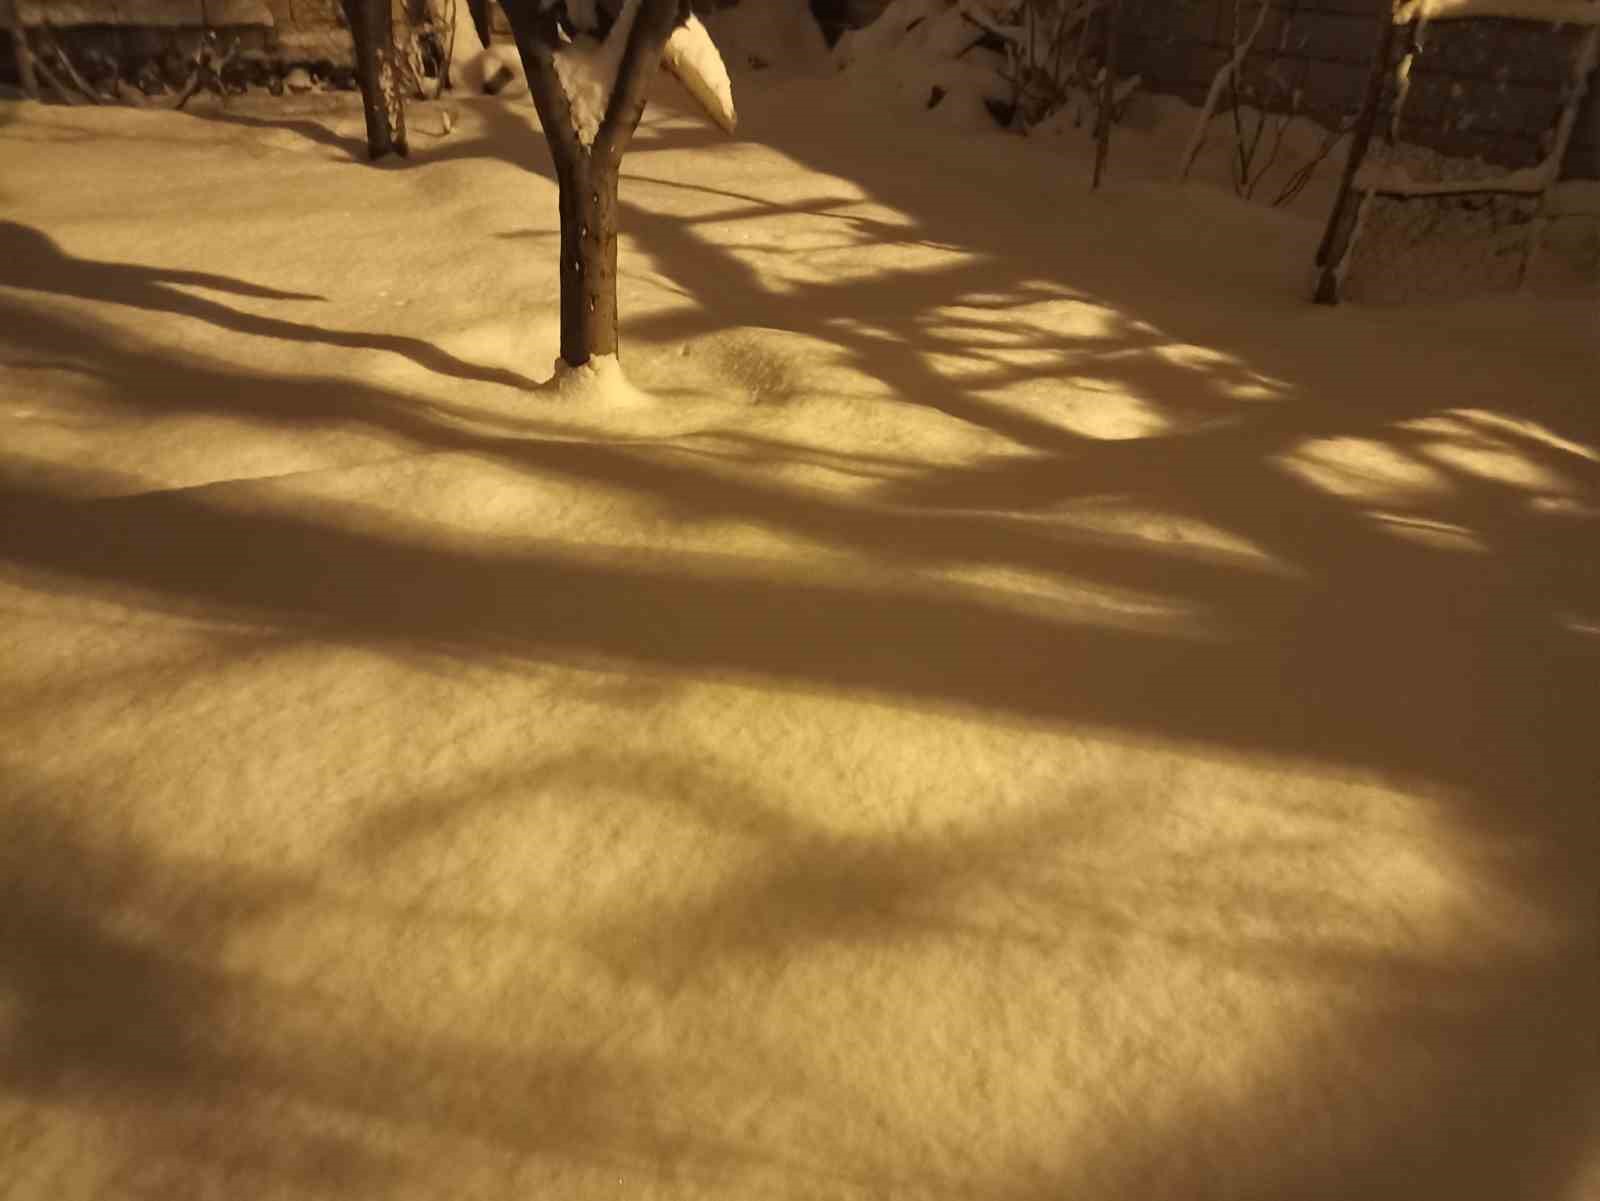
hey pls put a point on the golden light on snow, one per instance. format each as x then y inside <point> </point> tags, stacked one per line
<point>944,738</point>
<point>1498,450</point>
<point>1365,469</point>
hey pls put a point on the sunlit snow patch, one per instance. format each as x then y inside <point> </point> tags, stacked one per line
<point>1364,469</point>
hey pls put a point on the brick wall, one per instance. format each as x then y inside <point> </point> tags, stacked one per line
<point>1488,88</point>
<point>285,31</point>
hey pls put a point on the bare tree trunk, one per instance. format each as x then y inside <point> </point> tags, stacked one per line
<point>588,258</point>
<point>378,71</point>
<point>587,173</point>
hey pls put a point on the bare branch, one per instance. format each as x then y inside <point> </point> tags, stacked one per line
<point>1228,70</point>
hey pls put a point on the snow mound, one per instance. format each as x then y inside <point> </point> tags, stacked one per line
<point>692,56</point>
<point>600,384</point>
<point>920,55</point>
<point>775,37</point>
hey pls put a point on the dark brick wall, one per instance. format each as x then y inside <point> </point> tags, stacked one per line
<point>284,31</point>
<point>1488,88</point>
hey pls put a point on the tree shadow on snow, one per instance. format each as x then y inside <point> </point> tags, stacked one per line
<point>31,261</point>
<point>116,1005</point>
<point>315,132</point>
<point>1442,646</point>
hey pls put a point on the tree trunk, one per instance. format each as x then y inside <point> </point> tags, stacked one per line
<point>588,257</point>
<point>1341,222</point>
<point>587,174</point>
<point>378,71</point>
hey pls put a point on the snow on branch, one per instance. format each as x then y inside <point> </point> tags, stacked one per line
<point>693,59</point>
<point>1552,12</point>
<point>587,70</point>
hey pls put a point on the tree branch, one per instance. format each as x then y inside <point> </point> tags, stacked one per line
<point>537,37</point>
<point>641,61</point>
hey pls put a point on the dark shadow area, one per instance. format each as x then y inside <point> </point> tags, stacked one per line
<point>205,1070</point>
<point>312,131</point>
<point>31,261</point>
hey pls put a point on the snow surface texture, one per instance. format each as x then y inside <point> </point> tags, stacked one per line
<point>915,47</point>
<point>1012,709</point>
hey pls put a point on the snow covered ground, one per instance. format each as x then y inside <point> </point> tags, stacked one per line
<point>1013,703</point>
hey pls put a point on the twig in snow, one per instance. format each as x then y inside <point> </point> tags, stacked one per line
<point>1303,173</point>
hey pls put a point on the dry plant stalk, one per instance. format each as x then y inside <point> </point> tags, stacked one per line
<point>1229,71</point>
<point>208,68</point>
<point>71,72</point>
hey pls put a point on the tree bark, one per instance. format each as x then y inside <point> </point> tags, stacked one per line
<point>378,72</point>
<point>587,174</point>
<point>588,257</point>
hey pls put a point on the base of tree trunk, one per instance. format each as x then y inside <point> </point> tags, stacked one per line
<point>588,258</point>
<point>378,72</point>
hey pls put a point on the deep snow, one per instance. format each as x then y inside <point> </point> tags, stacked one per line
<point>1012,702</point>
